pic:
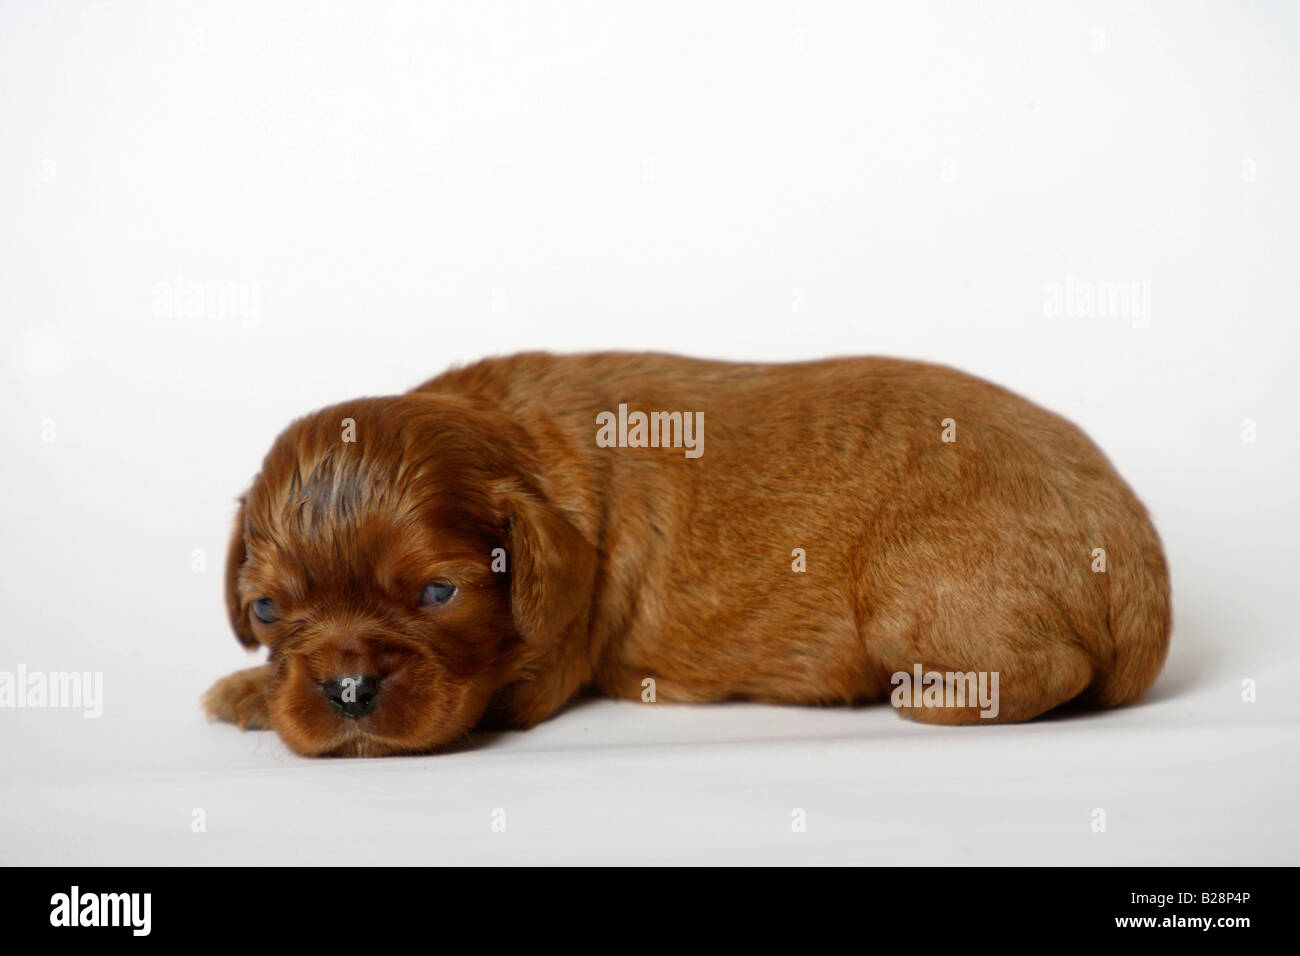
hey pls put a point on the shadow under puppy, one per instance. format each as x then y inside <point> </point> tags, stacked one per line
<point>480,550</point>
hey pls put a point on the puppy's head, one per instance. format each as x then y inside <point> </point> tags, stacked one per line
<point>401,560</point>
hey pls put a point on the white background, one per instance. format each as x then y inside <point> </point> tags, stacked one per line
<point>391,188</point>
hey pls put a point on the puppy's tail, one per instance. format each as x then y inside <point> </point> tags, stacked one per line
<point>1141,618</point>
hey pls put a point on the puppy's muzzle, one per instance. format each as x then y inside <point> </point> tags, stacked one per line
<point>352,697</point>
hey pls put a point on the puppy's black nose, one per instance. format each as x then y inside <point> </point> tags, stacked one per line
<point>352,696</point>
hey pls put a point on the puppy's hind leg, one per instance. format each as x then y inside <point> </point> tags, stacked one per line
<point>240,699</point>
<point>1003,663</point>
<point>999,694</point>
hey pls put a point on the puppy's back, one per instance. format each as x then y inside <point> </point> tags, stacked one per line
<point>923,495</point>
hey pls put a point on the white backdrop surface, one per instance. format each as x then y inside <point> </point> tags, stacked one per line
<point>217,216</point>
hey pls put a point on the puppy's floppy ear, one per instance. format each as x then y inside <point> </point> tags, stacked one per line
<point>552,566</point>
<point>235,555</point>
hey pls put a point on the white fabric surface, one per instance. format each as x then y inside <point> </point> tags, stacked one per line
<point>1193,776</point>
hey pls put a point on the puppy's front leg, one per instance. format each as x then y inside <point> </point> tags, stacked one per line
<point>241,699</point>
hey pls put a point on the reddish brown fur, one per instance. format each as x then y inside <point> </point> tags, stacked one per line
<point>629,563</point>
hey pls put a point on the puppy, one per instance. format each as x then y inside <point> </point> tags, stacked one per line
<point>480,550</point>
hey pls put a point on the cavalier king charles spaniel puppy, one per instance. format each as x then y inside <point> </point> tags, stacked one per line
<point>481,550</point>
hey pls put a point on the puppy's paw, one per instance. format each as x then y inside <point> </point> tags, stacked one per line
<point>241,699</point>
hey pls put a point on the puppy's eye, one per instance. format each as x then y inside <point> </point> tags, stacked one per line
<point>437,593</point>
<point>266,610</point>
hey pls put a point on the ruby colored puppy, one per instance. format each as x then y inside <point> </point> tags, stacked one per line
<point>480,550</point>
